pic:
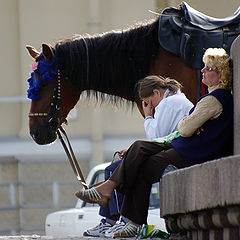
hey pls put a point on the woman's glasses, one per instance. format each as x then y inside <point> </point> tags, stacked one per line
<point>208,68</point>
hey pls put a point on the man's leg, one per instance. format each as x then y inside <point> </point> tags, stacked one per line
<point>139,152</point>
<point>143,165</point>
<point>110,213</point>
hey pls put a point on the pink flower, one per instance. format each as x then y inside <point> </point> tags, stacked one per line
<point>34,66</point>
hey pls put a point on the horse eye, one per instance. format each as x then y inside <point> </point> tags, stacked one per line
<point>44,84</point>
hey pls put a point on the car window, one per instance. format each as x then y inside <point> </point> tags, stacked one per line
<point>98,177</point>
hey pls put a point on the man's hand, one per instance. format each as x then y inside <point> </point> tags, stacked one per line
<point>122,153</point>
<point>147,108</point>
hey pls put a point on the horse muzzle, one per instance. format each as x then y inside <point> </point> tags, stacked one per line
<point>44,134</point>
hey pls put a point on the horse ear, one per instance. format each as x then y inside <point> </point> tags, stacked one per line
<point>32,52</point>
<point>47,52</point>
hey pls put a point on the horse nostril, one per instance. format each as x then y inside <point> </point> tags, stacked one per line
<point>35,134</point>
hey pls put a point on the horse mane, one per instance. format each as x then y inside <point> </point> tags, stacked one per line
<point>109,63</point>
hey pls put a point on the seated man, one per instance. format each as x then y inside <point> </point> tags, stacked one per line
<point>164,106</point>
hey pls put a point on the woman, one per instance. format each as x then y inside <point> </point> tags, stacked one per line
<point>207,133</point>
<point>164,105</point>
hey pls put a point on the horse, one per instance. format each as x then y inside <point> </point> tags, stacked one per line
<point>106,66</point>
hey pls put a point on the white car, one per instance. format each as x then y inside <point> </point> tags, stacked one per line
<point>74,221</point>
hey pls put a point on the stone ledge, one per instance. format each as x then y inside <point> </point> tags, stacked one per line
<point>203,201</point>
<point>209,185</point>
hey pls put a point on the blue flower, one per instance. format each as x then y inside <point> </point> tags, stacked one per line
<point>47,71</point>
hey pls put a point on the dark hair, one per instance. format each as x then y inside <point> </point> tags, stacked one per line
<point>146,85</point>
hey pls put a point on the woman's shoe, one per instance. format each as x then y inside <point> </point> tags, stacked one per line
<point>129,230</point>
<point>92,196</point>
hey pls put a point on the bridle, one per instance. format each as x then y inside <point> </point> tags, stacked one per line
<point>55,120</point>
<point>54,111</point>
<point>55,106</point>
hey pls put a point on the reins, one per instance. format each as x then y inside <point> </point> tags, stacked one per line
<point>71,157</point>
<point>56,120</point>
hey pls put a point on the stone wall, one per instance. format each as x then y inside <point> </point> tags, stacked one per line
<point>29,190</point>
<point>203,201</point>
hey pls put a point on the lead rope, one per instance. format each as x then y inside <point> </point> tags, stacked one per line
<point>71,157</point>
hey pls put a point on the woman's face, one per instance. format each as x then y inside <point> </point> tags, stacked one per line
<point>210,77</point>
<point>155,98</point>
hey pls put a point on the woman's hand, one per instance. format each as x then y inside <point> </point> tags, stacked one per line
<point>199,130</point>
<point>147,108</point>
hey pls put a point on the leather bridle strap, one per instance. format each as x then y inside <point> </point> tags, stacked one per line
<point>71,157</point>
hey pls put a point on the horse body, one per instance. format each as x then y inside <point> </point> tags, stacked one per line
<point>110,63</point>
<point>170,65</point>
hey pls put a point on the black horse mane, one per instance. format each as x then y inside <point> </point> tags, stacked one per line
<point>109,63</point>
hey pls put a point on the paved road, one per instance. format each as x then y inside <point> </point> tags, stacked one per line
<point>37,237</point>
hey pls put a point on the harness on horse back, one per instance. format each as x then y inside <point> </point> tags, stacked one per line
<point>187,32</point>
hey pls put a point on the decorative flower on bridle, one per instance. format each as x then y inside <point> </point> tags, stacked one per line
<point>42,71</point>
<point>34,66</point>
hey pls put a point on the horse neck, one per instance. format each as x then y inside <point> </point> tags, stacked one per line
<point>110,63</point>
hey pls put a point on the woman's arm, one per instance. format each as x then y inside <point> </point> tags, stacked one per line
<point>206,109</point>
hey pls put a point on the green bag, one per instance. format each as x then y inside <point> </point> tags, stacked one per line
<point>149,231</point>
<point>168,138</point>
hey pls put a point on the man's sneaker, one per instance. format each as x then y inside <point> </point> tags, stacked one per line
<point>111,231</point>
<point>129,230</point>
<point>99,230</point>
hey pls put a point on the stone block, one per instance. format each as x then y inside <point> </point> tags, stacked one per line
<point>66,194</point>
<point>48,171</point>
<point>9,219</point>
<point>208,185</point>
<point>36,194</point>
<point>8,169</point>
<point>5,196</point>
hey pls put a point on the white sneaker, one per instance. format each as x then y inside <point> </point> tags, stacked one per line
<point>128,231</point>
<point>119,225</point>
<point>99,230</point>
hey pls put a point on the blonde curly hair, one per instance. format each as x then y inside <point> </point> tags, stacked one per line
<point>220,61</point>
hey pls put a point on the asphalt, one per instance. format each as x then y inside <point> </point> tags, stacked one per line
<point>37,237</point>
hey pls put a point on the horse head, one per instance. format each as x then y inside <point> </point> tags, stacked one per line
<point>52,97</point>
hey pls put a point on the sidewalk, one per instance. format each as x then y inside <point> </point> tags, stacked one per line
<point>37,237</point>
